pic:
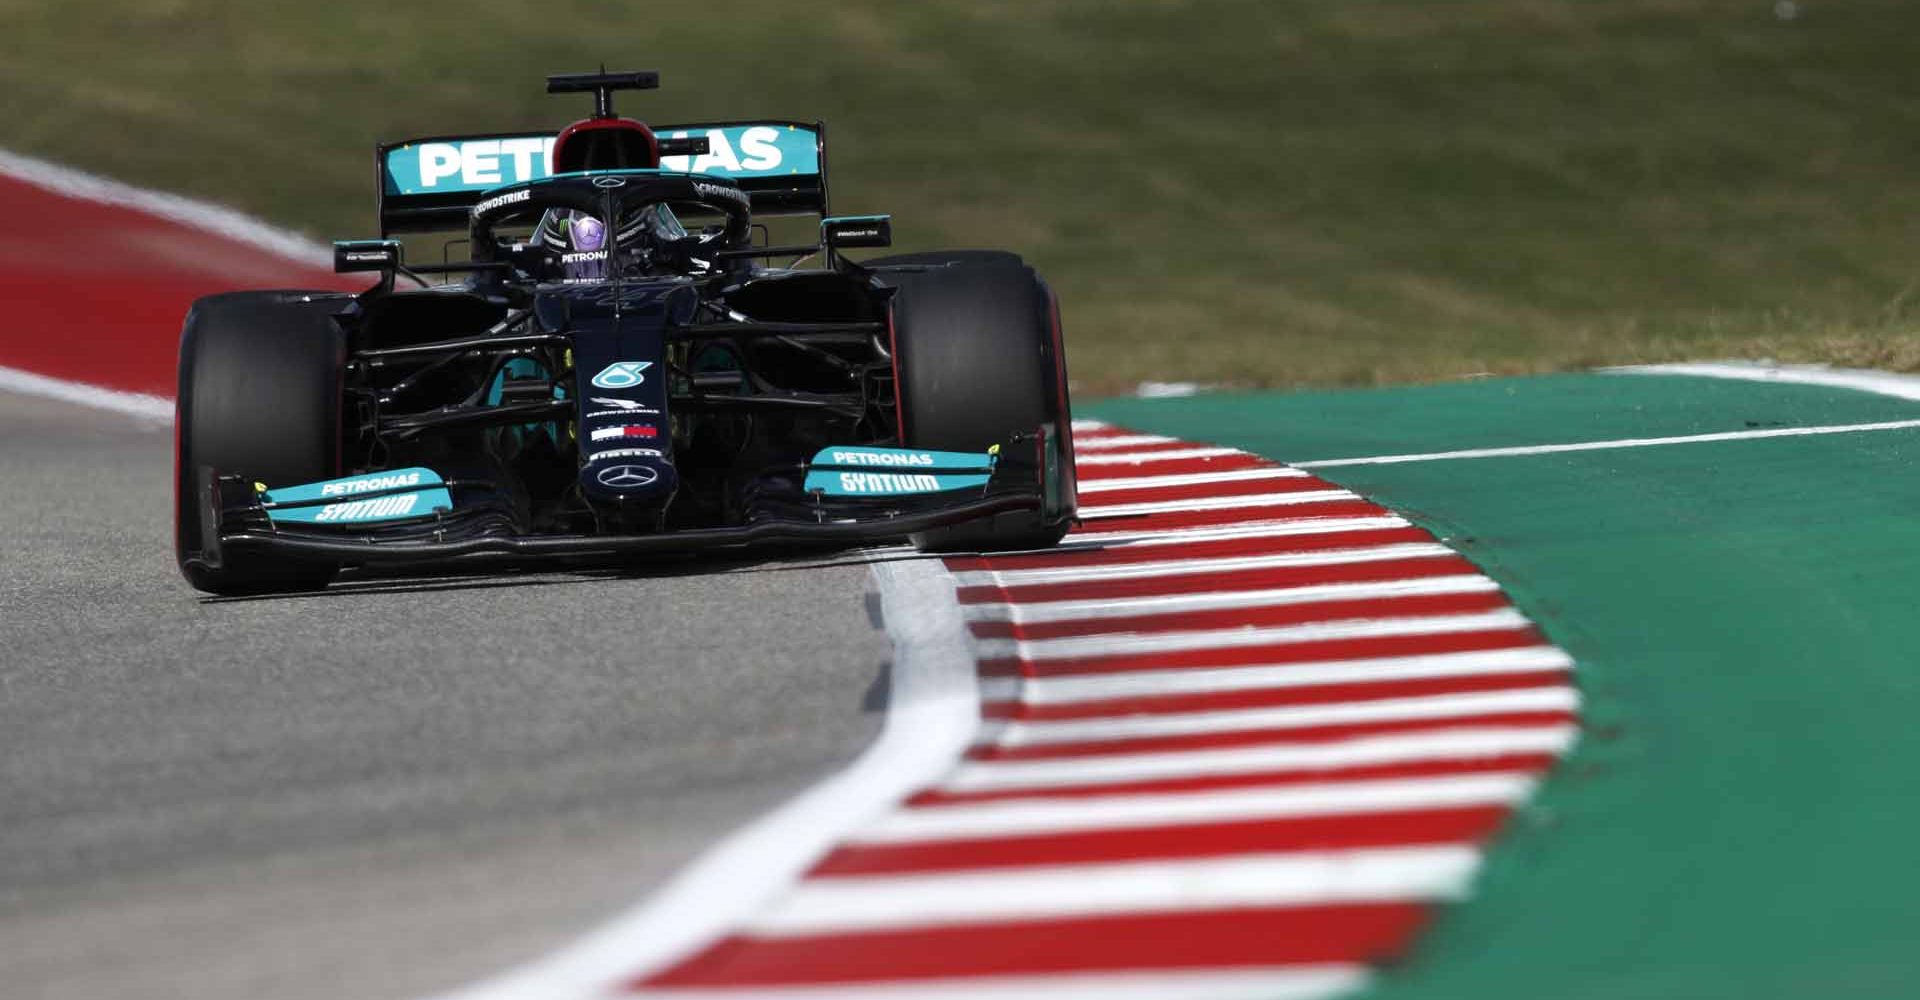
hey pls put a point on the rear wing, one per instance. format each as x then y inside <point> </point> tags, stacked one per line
<point>431,184</point>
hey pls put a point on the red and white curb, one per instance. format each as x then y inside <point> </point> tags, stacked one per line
<point>1239,733</point>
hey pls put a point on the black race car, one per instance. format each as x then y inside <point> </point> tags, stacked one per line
<point>617,371</point>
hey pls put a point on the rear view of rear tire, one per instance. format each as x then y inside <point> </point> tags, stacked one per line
<point>259,396</point>
<point>977,359</point>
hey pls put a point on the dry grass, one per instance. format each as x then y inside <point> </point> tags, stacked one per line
<point>1237,191</point>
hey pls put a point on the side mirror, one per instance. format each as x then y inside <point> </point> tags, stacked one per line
<point>846,232</point>
<point>355,256</point>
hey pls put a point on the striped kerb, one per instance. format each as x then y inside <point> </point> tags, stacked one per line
<point>1240,732</point>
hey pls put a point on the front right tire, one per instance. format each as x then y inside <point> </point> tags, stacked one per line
<point>259,396</point>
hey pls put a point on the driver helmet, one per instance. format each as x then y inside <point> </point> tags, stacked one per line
<point>585,253</point>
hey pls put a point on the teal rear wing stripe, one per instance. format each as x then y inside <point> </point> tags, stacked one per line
<point>430,184</point>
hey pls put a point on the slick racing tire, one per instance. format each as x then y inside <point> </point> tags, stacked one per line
<point>975,353</point>
<point>259,396</point>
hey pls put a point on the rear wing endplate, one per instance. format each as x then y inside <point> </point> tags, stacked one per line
<point>431,184</point>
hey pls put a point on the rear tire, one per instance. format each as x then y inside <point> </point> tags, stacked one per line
<point>259,396</point>
<point>975,353</point>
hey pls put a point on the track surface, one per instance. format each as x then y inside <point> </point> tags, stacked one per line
<point>393,787</point>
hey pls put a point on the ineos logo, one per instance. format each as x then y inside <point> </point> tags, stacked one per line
<point>626,477</point>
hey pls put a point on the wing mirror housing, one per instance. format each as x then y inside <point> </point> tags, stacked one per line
<point>356,256</point>
<point>847,232</point>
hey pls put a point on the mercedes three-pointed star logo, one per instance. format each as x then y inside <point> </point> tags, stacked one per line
<point>626,477</point>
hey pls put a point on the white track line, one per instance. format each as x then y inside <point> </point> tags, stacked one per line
<point>866,903</point>
<point>1466,743</point>
<point>1029,817</point>
<point>149,409</point>
<point>1143,457</point>
<point>1090,425</point>
<point>1289,982</point>
<point>1172,480</point>
<point>1096,511</point>
<point>931,716</point>
<point>1268,677</point>
<point>1137,644</point>
<point>1859,379</point>
<point>67,182</point>
<point>1118,441</point>
<point>1267,528</point>
<point>1551,698</point>
<point>1188,567</point>
<point>1158,605</point>
<point>1555,449</point>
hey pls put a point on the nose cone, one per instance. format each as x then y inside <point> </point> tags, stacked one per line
<point>628,461</point>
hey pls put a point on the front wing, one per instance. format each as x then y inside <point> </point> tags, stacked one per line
<point>1027,477</point>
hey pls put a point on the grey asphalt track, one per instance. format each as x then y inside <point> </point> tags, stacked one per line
<point>393,787</point>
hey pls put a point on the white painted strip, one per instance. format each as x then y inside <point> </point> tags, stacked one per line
<point>1267,677</point>
<point>239,227</point>
<point>1267,528</point>
<point>1215,503</point>
<point>1467,743</point>
<point>931,717</point>
<point>1140,644</point>
<point>1555,449</point>
<point>1022,733</point>
<point>1090,425</point>
<point>1286,982</point>
<point>898,902</point>
<point>1215,564</point>
<point>1118,441</point>
<point>1175,480</point>
<point>1859,379</point>
<point>150,409</point>
<point>1027,817</point>
<point>1120,609</point>
<point>1142,457</point>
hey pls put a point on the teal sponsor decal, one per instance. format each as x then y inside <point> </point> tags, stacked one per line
<point>748,151</point>
<point>866,471</point>
<point>622,374</point>
<point>455,166</point>
<point>393,495</point>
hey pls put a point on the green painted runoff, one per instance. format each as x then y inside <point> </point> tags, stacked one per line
<point>1737,819</point>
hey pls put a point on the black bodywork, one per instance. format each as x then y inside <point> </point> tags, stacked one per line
<point>745,373</point>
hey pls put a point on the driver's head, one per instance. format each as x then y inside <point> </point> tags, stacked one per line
<point>586,254</point>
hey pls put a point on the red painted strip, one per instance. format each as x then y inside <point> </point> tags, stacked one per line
<point>1121,553</point>
<point>1261,737</point>
<point>1268,578</point>
<point>1086,471</point>
<point>1223,938</point>
<point>1178,519</point>
<point>1307,833</point>
<point>1254,617</point>
<point>1318,694</point>
<point>1499,763</point>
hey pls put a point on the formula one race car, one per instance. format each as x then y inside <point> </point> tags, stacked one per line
<point>615,374</point>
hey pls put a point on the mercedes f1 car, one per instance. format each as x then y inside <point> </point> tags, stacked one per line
<point>618,370</point>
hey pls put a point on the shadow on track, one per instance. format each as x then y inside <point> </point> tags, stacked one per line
<point>497,574</point>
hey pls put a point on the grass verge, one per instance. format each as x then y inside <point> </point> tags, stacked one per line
<point>1238,191</point>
